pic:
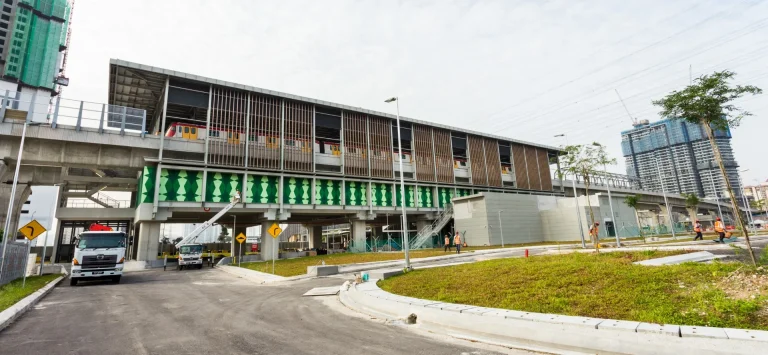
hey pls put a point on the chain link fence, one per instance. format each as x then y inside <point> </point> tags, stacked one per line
<point>15,262</point>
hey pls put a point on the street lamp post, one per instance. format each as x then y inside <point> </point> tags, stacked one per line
<point>610,203</point>
<point>8,216</point>
<point>406,242</point>
<point>501,230</point>
<point>575,198</point>
<point>744,200</point>
<point>666,203</point>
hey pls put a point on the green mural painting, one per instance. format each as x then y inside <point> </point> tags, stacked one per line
<point>180,185</point>
<point>463,192</point>
<point>297,191</point>
<point>425,196</point>
<point>444,196</point>
<point>381,194</point>
<point>409,196</point>
<point>328,192</point>
<point>221,187</point>
<point>356,193</point>
<point>262,189</point>
<point>147,185</point>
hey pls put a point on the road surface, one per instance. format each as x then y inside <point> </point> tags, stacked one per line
<point>208,312</point>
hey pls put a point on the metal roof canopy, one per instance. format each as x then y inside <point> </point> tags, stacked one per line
<point>140,86</point>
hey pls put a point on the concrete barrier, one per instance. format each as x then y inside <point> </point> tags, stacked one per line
<point>568,333</point>
<point>322,270</point>
<point>14,312</point>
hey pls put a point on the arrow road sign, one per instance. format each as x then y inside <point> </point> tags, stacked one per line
<point>32,229</point>
<point>240,238</point>
<point>275,230</point>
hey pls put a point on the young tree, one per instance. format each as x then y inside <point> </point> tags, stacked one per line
<point>709,102</point>
<point>224,235</point>
<point>177,240</point>
<point>692,204</point>
<point>165,240</point>
<point>632,201</point>
<point>586,161</point>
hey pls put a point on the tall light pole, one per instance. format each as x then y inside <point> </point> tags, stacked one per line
<point>501,230</point>
<point>744,199</point>
<point>664,191</point>
<point>9,215</point>
<point>610,203</point>
<point>406,242</point>
<point>575,197</point>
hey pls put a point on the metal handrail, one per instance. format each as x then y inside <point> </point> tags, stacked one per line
<point>432,229</point>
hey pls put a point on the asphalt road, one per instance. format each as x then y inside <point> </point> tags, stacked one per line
<point>208,312</point>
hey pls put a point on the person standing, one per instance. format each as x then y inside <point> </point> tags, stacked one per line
<point>594,234</point>
<point>697,229</point>
<point>457,242</point>
<point>720,229</point>
<point>447,242</point>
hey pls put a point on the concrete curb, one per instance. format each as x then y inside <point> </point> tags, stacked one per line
<point>13,312</point>
<point>252,275</point>
<point>566,333</point>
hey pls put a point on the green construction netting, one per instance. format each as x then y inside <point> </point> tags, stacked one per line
<point>34,47</point>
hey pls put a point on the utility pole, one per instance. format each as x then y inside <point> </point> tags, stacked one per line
<point>666,203</point>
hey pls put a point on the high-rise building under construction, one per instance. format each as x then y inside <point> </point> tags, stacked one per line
<point>677,156</point>
<point>33,40</point>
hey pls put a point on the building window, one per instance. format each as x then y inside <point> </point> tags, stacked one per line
<point>9,2</point>
<point>4,25</point>
<point>6,9</point>
<point>5,17</point>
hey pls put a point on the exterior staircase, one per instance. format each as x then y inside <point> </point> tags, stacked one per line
<point>426,233</point>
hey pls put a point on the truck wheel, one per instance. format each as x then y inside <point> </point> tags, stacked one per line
<point>72,282</point>
<point>116,279</point>
<point>199,266</point>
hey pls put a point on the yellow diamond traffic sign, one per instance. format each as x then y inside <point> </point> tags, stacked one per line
<point>275,230</point>
<point>240,238</point>
<point>32,230</point>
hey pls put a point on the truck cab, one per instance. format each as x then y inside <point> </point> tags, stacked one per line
<point>98,255</point>
<point>191,255</point>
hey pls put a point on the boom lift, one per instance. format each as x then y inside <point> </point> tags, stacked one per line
<point>190,253</point>
<point>189,238</point>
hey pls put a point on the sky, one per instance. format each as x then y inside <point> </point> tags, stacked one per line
<point>519,68</point>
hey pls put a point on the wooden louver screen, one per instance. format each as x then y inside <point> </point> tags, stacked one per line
<point>226,133</point>
<point>443,155</point>
<point>298,143</point>
<point>493,162</point>
<point>544,174</point>
<point>521,172</point>
<point>477,160</point>
<point>380,130</point>
<point>531,160</point>
<point>422,148</point>
<point>264,144</point>
<point>355,144</point>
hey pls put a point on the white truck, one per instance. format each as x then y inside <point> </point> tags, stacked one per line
<point>98,255</point>
<point>191,253</point>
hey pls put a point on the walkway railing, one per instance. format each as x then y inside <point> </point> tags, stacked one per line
<point>62,111</point>
<point>426,233</point>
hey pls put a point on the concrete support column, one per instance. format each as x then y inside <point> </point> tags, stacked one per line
<point>149,237</point>
<point>269,245</point>
<point>421,223</point>
<point>22,194</point>
<point>3,169</point>
<point>664,216</point>
<point>315,237</point>
<point>358,244</point>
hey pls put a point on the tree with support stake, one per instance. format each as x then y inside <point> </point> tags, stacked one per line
<point>708,102</point>
<point>586,161</point>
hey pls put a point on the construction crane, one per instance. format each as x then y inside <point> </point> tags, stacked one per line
<point>634,120</point>
<point>189,238</point>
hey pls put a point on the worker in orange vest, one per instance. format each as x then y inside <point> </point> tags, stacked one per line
<point>697,229</point>
<point>720,229</point>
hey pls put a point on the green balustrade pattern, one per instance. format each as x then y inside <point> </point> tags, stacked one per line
<point>146,193</point>
<point>425,196</point>
<point>444,196</point>
<point>356,193</point>
<point>328,192</point>
<point>180,185</point>
<point>381,194</point>
<point>463,192</point>
<point>262,189</point>
<point>297,191</point>
<point>409,196</point>
<point>220,187</point>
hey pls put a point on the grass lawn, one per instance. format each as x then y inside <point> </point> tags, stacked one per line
<point>298,266</point>
<point>605,285</point>
<point>13,292</point>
